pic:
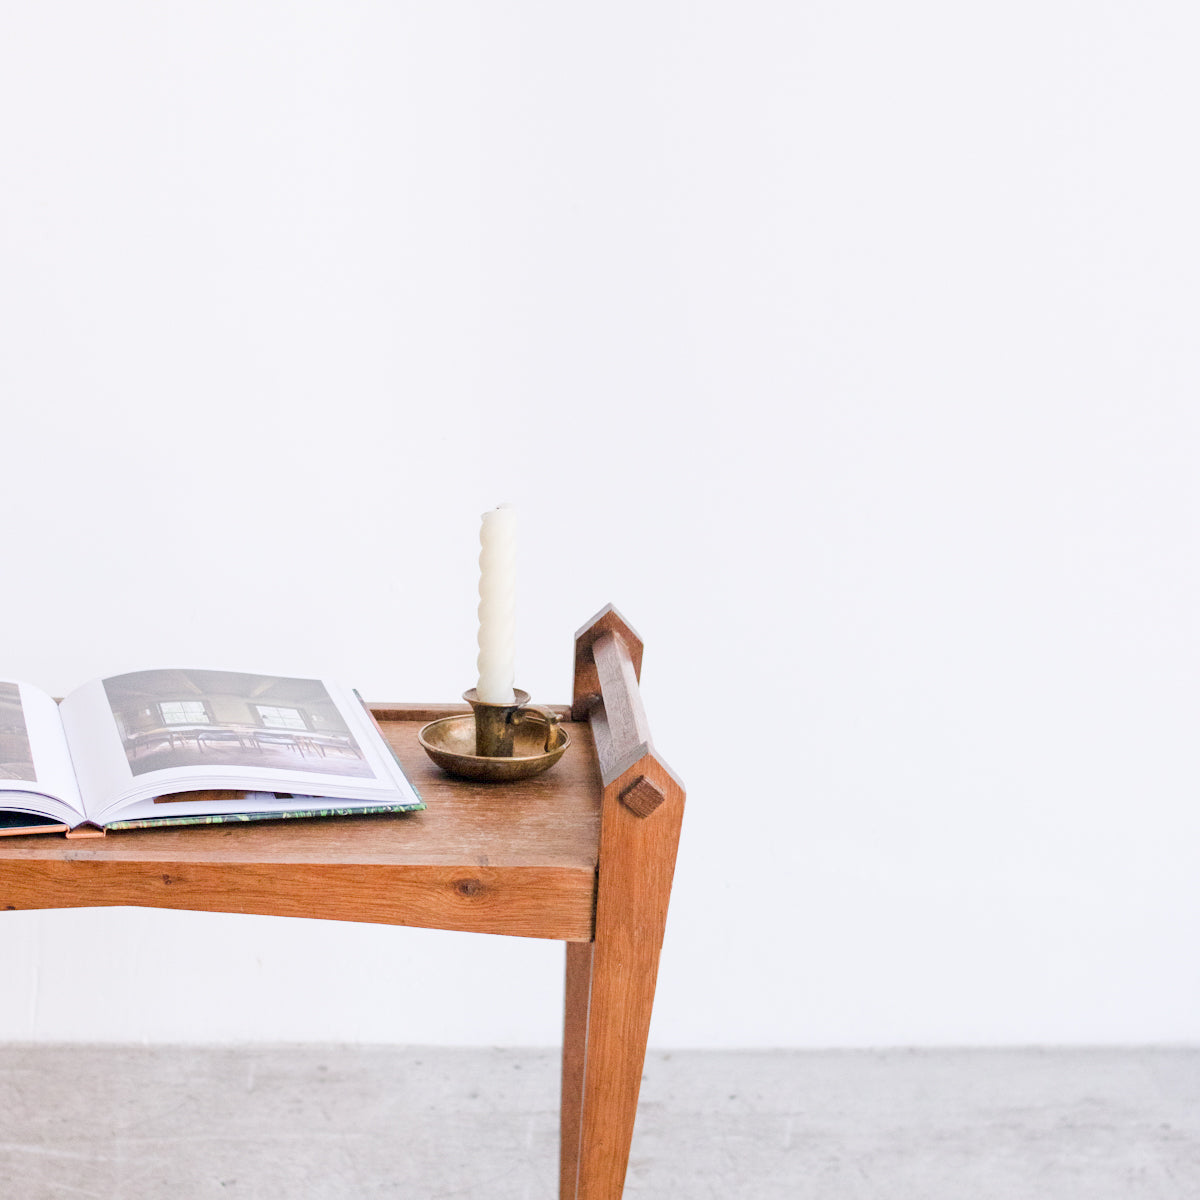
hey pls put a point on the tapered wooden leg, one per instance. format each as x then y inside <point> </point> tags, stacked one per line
<point>641,811</point>
<point>575,1023</point>
<point>638,839</point>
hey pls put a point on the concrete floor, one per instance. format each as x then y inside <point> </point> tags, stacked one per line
<point>319,1123</point>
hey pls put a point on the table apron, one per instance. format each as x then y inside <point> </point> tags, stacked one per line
<point>519,901</point>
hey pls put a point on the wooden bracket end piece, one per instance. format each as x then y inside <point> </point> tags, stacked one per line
<point>587,683</point>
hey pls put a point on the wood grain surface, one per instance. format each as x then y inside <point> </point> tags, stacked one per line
<point>516,858</point>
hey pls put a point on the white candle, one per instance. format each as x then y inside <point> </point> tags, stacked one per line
<point>497,605</point>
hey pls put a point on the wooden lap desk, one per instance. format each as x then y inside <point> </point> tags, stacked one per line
<point>583,854</point>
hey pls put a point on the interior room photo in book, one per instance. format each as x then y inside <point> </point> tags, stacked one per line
<point>177,718</point>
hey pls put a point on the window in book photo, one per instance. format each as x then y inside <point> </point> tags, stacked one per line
<point>16,757</point>
<point>274,717</point>
<point>184,712</point>
<point>171,718</point>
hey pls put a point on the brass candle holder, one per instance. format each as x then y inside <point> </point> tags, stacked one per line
<point>496,742</point>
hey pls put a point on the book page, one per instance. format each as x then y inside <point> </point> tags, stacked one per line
<point>36,773</point>
<point>150,733</point>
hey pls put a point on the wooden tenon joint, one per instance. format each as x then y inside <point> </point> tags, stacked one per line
<point>642,796</point>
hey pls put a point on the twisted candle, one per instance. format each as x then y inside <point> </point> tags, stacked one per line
<point>497,605</point>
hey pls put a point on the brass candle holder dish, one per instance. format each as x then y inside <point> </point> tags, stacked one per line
<point>496,742</point>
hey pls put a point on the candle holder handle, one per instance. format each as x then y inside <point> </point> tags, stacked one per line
<point>542,713</point>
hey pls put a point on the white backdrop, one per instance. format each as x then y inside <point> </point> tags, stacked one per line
<point>849,348</point>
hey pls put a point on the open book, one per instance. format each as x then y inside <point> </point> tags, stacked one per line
<point>172,747</point>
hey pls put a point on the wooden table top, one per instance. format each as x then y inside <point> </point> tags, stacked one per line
<point>516,858</point>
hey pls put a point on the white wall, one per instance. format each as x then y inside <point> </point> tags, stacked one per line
<point>849,348</point>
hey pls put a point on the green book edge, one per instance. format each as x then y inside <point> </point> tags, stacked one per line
<point>227,818</point>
